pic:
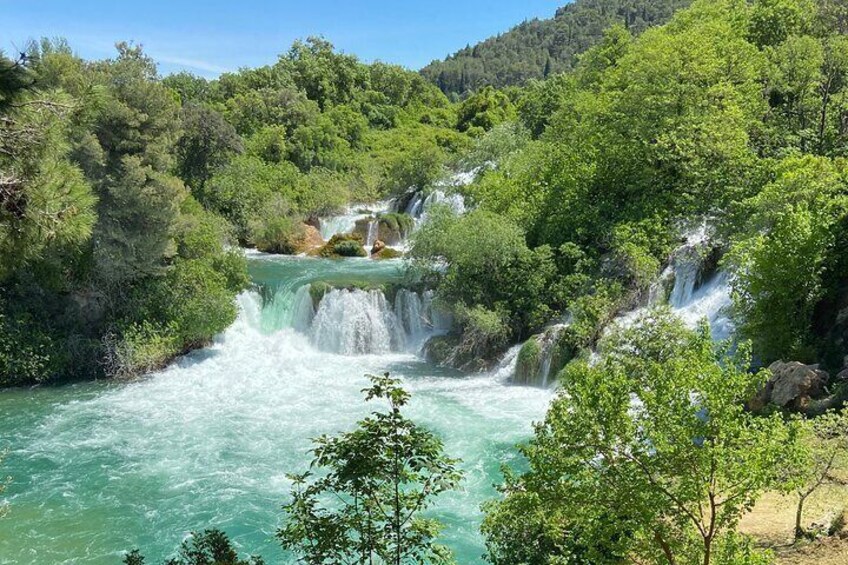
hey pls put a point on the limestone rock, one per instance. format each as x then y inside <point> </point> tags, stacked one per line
<point>377,247</point>
<point>792,386</point>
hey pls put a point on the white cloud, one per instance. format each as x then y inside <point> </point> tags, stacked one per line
<point>190,63</point>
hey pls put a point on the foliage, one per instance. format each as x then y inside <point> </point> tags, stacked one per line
<point>648,455</point>
<point>826,452</point>
<point>484,110</point>
<point>344,245</point>
<point>206,145</point>
<point>537,49</point>
<point>46,205</point>
<point>381,477</point>
<point>779,266</point>
<point>489,266</point>
<point>210,547</point>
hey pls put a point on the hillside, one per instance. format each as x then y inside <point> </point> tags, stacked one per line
<point>537,48</point>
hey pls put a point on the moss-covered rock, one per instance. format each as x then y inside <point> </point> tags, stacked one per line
<point>344,245</point>
<point>529,361</point>
<point>387,253</point>
<point>392,228</point>
<point>543,356</point>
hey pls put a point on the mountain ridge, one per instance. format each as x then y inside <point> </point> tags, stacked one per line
<point>537,48</point>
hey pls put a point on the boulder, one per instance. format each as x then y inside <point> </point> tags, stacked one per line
<point>311,239</point>
<point>377,247</point>
<point>792,386</point>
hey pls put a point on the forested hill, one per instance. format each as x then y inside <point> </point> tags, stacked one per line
<point>537,48</point>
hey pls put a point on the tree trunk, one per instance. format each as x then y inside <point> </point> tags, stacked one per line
<point>799,512</point>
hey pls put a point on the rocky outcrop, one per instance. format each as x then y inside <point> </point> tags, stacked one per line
<point>544,355</point>
<point>390,228</point>
<point>452,351</point>
<point>377,247</point>
<point>311,239</point>
<point>795,387</point>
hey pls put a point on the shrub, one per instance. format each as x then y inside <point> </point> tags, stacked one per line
<point>26,352</point>
<point>344,245</point>
<point>398,222</point>
<point>279,234</point>
<point>206,548</point>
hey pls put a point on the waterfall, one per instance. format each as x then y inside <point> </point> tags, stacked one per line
<point>538,367</point>
<point>550,349</point>
<point>506,368</point>
<point>345,223</point>
<point>411,315</point>
<point>414,208</point>
<point>373,230</point>
<point>438,197</point>
<point>711,301</point>
<point>288,310</point>
<point>698,293</point>
<point>356,322</point>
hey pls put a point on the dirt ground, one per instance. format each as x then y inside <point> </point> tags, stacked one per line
<point>772,523</point>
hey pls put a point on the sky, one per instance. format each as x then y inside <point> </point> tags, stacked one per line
<point>215,36</point>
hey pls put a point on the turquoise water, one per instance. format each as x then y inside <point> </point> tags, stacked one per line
<point>100,468</point>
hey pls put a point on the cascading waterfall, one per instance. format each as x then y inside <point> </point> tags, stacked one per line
<point>373,230</point>
<point>697,293</point>
<point>356,322</point>
<point>289,310</point>
<point>345,223</point>
<point>359,322</point>
<point>409,311</point>
<point>550,346</point>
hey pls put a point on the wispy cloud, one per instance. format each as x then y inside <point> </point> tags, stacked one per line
<point>190,63</point>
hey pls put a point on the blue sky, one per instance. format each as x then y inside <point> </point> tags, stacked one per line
<point>215,36</point>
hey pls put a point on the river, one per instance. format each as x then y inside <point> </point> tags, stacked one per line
<point>100,468</point>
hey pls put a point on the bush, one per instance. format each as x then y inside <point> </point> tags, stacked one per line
<point>490,265</point>
<point>211,547</point>
<point>27,354</point>
<point>344,245</point>
<point>275,231</point>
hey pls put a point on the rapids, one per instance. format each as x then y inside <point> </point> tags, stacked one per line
<point>100,468</point>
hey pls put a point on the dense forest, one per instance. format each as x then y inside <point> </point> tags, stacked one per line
<point>537,49</point>
<point>125,197</point>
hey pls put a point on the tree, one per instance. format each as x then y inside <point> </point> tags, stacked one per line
<point>484,110</point>
<point>367,506</point>
<point>210,547</point>
<point>778,264</point>
<point>206,145</point>
<point>138,197</point>
<point>647,455</point>
<point>45,203</point>
<point>826,451</point>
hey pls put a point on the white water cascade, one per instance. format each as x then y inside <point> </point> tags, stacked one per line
<point>698,292</point>
<point>373,230</point>
<point>345,223</point>
<point>356,322</point>
<point>360,322</point>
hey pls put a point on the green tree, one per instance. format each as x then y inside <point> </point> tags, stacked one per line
<point>206,145</point>
<point>484,110</point>
<point>648,455</point>
<point>827,452</point>
<point>46,205</point>
<point>139,199</point>
<point>210,547</point>
<point>378,480</point>
<point>488,265</point>
<point>778,268</point>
